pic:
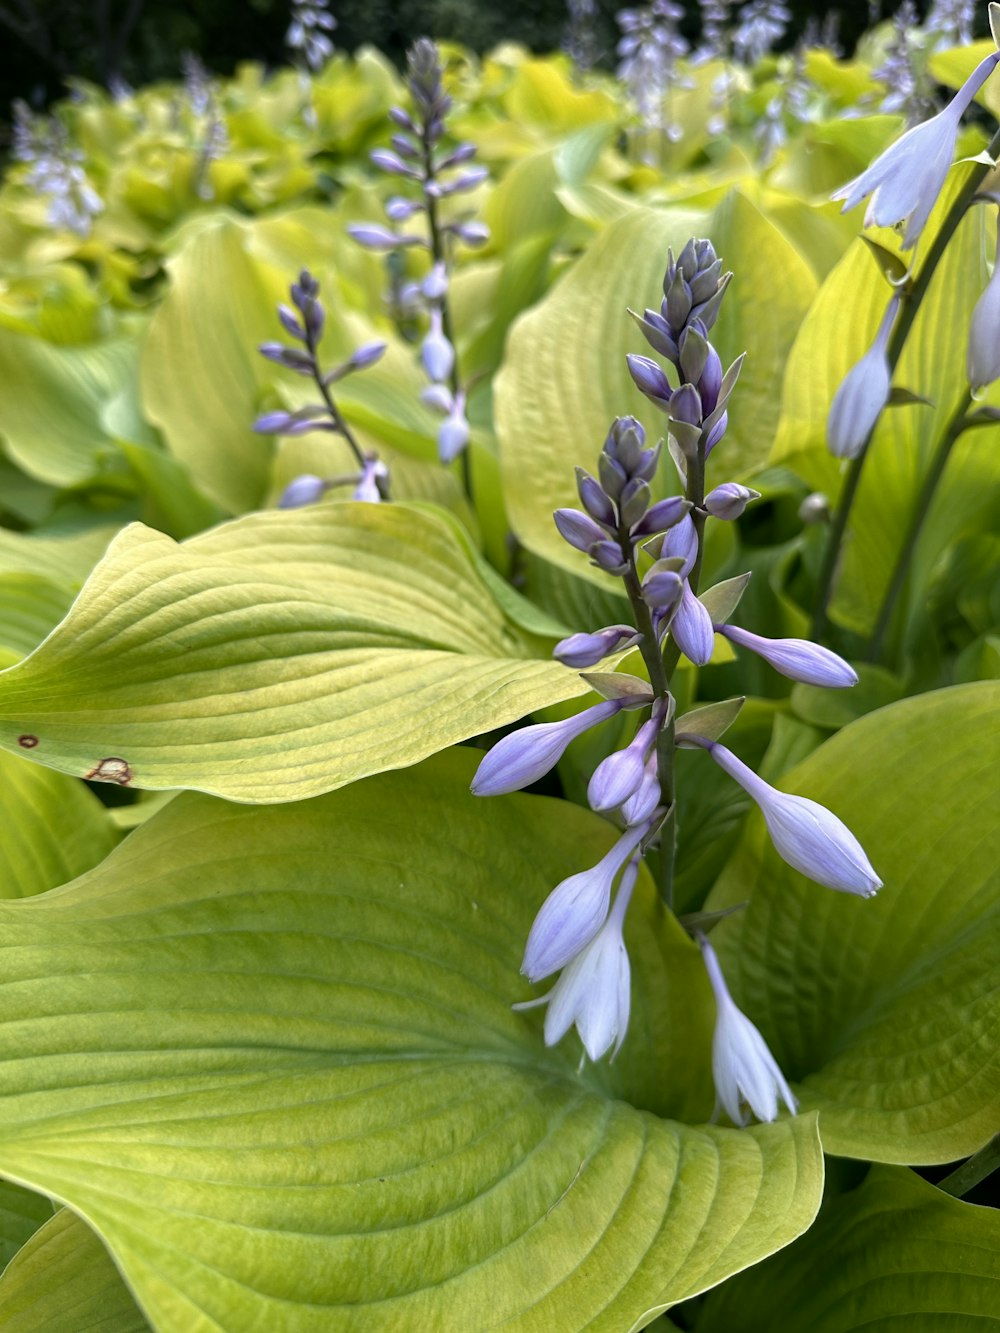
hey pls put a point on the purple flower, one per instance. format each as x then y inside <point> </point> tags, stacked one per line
<point>304,490</point>
<point>662,515</point>
<point>526,755</point>
<point>642,804</point>
<point>575,910</point>
<point>681,543</point>
<point>743,1068</point>
<point>594,990</point>
<point>618,777</point>
<point>578,528</point>
<point>586,650</point>
<point>650,380</point>
<point>798,659</point>
<point>905,181</point>
<point>453,433</point>
<point>367,488</point>
<point>805,834</point>
<point>984,332</point>
<point>729,500</point>
<point>692,630</point>
<point>436,352</point>
<point>861,395</point>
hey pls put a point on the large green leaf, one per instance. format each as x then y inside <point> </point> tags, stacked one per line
<point>564,378</point>
<point>835,334</point>
<point>62,1281</point>
<point>885,1012</point>
<point>22,1212</point>
<point>280,655</point>
<point>893,1252</point>
<point>269,1056</point>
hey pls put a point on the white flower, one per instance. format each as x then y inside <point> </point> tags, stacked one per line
<point>861,394</point>
<point>743,1068</point>
<point>594,990</point>
<point>983,362</point>
<point>905,181</point>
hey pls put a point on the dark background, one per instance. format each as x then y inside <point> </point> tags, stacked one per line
<point>44,41</point>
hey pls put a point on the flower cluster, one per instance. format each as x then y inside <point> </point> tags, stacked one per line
<point>762,24</point>
<point>304,321</point>
<point>213,135</point>
<point>580,41</point>
<point>655,548</point>
<point>417,155</point>
<point>55,171</point>
<point>650,47</point>
<point>307,35</point>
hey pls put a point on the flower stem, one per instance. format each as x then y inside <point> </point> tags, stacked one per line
<point>977,1168</point>
<point>339,424</point>
<point>911,300</point>
<point>956,424</point>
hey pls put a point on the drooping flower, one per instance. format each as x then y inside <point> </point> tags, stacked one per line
<point>526,755</point>
<point>805,834</point>
<point>594,990</point>
<point>692,630</point>
<point>798,659</point>
<point>983,361</point>
<point>575,910</point>
<point>905,181</point>
<point>744,1070</point>
<point>861,394</point>
<point>618,777</point>
<point>586,650</point>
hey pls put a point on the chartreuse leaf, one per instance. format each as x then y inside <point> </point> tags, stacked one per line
<point>894,1252</point>
<point>835,334</point>
<point>63,1281</point>
<point>564,378</point>
<point>30,605</point>
<point>53,828</point>
<point>269,1055</point>
<point>22,1212</point>
<point>280,655</point>
<point>885,1012</point>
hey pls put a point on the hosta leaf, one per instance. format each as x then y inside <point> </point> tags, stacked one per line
<point>894,1252</point>
<point>269,1056</point>
<point>30,605</point>
<point>565,379</point>
<point>885,1011</point>
<point>22,1212</point>
<point>278,656</point>
<point>63,1281</point>
<point>53,828</point>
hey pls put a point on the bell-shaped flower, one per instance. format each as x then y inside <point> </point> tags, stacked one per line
<point>594,990</point>
<point>454,432</point>
<point>575,910</point>
<point>905,181</point>
<point>642,804</point>
<point>367,489</point>
<point>692,630</point>
<point>805,834</point>
<point>586,650</point>
<point>681,543</point>
<point>983,360</point>
<point>436,351</point>
<point>861,394</point>
<point>526,755</point>
<point>744,1070</point>
<point>304,490</point>
<point>798,659</point>
<point>617,777</point>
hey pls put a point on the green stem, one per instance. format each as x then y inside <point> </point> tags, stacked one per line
<point>911,300</point>
<point>953,430</point>
<point>339,424</point>
<point>977,1168</point>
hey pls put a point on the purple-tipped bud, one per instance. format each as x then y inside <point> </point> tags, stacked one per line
<point>440,398</point>
<point>524,756</point>
<point>596,502</point>
<point>289,357</point>
<point>681,543</point>
<point>574,911</point>
<point>661,516</point>
<point>304,490</point>
<point>710,381</point>
<point>368,489</point>
<point>716,433</point>
<point>273,423</point>
<point>617,777</point>
<point>403,119</point>
<point>663,589</point>
<point>405,147</point>
<point>436,351</point>
<point>692,629</point>
<point>393,163</point>
<point>435,285</point>
<point>798,659</point>
<point>650,379</point>
<point>454,432</point>
<point>399,209</point>
<point>472,233</point>
<point>862,394</point>
<point>805,834</point>
<point>586,650</point>
<point>613,476</point>
<point>578,529</point>
<point>657,333</point>
<point>642,804</point>
<point>983,359</point>
<point>609,557</point>
<point>467,180</point>
<point>685,405</point>
<point>463,152</point>
<point>374,237</point>
<point>367,355</point>
<point>290,322</point>
<point>729,500</point>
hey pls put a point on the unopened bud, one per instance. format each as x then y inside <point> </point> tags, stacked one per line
<point>729,500</point>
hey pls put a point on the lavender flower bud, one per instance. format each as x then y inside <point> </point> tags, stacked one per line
<point>368,489</point>
<point>983,360</point>
<point>660,516</point>
<point>304,490</point>
<point>289,357</point>
<point>290,322</point>
<point>805,834</point>
<point>454,432</point>
<point>441,399</point>
<point>650,379</point>
<point>694,354</point>
<point>472,233</point>
<point>609,557</point>
<point>663,589</point>
<point>595,500</point>
<point>468,180</point>
<point>574,911</point>
<point>642,804</point>
<point>716,433</point>
<point>405,147</point>
<point>862,394</point>
<point>403,119</point>
<point>436,352</point>
<point>400,209</point>
<point>729,500</point>
<point>692,629</point>
<point>617,777</point>
<point>798,659</point>
<point>625,442</point>
<point>374,237</point>
<point>681,543</point>
<point>613,475</point>
<point>463,152</point>
<point>657,333</point>
<point>526,755</point>
<point>435,285</point>
<point>634,501</point>
<point>273,423</point>
<point>710,382</point>
<point>393,163</point>
<point>685,406</point>
<point>586,650</point>
<point>578,529</point>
